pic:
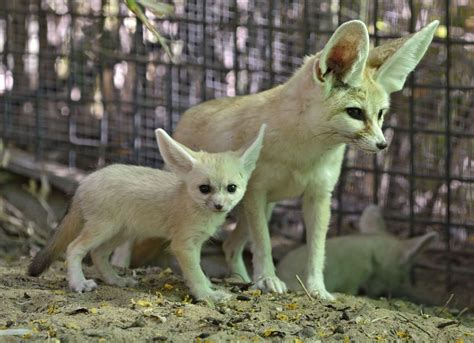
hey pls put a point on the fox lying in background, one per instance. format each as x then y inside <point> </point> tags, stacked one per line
<point>339,96</point>
<point>121,203</point>
<point>374,261</point>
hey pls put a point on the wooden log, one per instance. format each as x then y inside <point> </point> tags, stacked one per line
<point>23,163</point>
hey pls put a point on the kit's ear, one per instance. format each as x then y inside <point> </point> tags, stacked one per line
<point>396,59</point>
<point>371,220</point>
<point>344,56</point>
<point>176,156</point>
<point>414,246</point>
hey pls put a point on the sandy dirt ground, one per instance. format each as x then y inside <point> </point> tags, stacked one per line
<point>160,309</point>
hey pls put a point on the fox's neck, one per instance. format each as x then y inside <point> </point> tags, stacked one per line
<point>297,103</point>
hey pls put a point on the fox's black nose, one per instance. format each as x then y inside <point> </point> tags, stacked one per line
<point>218,207</point>
<point>381,146</point>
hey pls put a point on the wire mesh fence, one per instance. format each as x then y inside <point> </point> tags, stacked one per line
<point>82,83</point>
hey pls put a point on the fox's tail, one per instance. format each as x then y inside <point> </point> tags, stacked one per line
<point>67,231</point>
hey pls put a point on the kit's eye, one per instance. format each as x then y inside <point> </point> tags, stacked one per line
<point>380,114</point>
<point>355,113</point>
<point>205,189</point>
<point>231,188</point>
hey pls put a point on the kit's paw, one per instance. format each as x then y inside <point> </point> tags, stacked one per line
<point>83,286</point>
<point>270,284</point>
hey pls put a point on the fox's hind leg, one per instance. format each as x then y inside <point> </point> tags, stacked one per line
<point>100,257</point>
<point>122,255</point>
<point>87,240</point>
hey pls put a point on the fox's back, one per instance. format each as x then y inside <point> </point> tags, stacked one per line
<point>133,181</point>
<point>223,124</point>
<point>122,193</point>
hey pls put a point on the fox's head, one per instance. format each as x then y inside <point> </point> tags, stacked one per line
<point>357,81</point>
<point>215,181</point>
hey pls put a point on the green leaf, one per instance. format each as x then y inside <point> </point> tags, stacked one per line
<point>137,10</point>
<point>158,8</point>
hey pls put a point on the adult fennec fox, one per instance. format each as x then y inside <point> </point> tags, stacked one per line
<point>120,203</point>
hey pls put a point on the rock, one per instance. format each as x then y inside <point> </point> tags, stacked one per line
<point>307,332</point>
<point>94,332</point>
<point>213,321</point>
<point>242,297</point>
<point>138,323</point>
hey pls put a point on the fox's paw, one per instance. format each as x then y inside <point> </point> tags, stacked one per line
<point>271,284</point>
<point>219,296</point>
<point>240,271</point>
<point>122,282</point>
<point>322,294</point>
<point>131,282</point>
<point>83,286</point>
<point>213,296</point>
<point>209,284</point>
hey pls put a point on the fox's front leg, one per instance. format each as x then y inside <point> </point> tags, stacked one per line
<point>254,212</point>
<point>188,255</point>
<point>316,213</point>
<point>234,245</point>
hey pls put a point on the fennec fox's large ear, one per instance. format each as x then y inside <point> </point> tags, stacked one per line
<point>396,59</point>
<point>371,220</point>
<point>249,156</point>
<point>414,246</point>
<point>344,56</point>
<point>176,156</point>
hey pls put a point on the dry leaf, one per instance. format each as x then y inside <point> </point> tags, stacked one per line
<point>52,309</point>
<point>402,334</point>
<point>291,306</point>
<point>167,287</point>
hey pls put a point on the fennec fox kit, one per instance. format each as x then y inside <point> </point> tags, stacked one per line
<point>339,96</point>
<point>374,261</point>
<point>120,203</point>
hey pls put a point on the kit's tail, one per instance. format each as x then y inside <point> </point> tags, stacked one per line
<point>67,231</point>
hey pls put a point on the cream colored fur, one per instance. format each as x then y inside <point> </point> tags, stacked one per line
<point>308,129</point>
<point>374,261</point>
<point>123,203</point>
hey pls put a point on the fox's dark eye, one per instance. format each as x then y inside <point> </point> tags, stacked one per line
<point>355,113</point>
<point>205,189</point>
<point>380,114</point>
<point>231,188</point>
